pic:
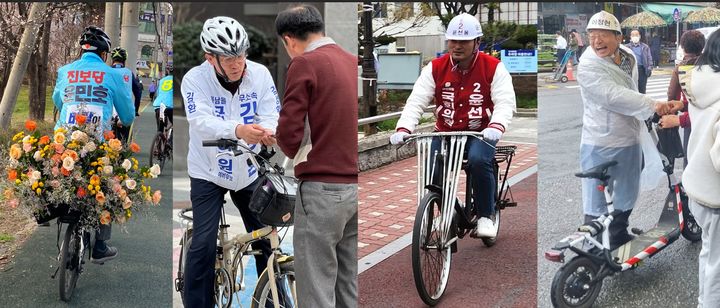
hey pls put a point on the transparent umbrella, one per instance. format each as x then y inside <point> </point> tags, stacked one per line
<point>644,19</point>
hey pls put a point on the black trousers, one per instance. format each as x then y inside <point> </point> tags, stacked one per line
<point>206,198</point>
<point>642,79</point>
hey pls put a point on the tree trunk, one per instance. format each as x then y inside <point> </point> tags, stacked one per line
<point>38,72</point>
<point>9,99</point>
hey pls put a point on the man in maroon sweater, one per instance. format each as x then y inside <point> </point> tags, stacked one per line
<point>318,129</point>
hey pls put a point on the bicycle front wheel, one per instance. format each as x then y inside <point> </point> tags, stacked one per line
<point>184,248</point>
<point>285,281</point>
<point>156,151</point>
<point>223,288</point>
<point>69,262</point>
<point>431,257</point>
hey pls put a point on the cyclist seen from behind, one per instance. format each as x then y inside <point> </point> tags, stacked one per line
<point>473,91</point>
<point>119,56</point>
<point>164,97</point>
<point>227,96</point>
<point>89,86</point>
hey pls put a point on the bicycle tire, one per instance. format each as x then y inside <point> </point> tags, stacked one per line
<point>69,257</point>
<point>571,280</point>
<point>156,151</point>
<point>223,288</point>
<point>432,293</point>
<point>262,295</point>
<point>185,243</point>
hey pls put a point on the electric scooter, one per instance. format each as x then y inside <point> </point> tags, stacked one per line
<point>578,282</point>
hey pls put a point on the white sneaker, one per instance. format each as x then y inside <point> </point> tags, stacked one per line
<point>485,228</point>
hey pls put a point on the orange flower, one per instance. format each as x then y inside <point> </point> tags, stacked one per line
<point>64,171</point>
<point>15,151</point>
<point>100,197</point>
<point>95,180</point>
<point>12,175</point>
<point>80,119</point>
<point>81,193</point>
<point>30,125</point>
<point>156,197</point>
<point>115,145</point>
<point>59,148</point>
<point>105,217</point>
<point>109,135</point>
<point>44,140</point>
<point>56,158</point>
<point>134,147</point>
<point>70,153</point>
<point>59,138</point>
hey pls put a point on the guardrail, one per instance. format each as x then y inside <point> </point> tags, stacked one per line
<point>387,116</point>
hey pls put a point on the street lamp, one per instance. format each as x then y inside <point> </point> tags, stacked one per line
<point>369,75</point>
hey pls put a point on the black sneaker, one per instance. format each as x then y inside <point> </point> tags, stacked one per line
<point>100,257</point>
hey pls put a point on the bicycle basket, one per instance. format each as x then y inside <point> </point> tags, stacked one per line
<point>273,201</point>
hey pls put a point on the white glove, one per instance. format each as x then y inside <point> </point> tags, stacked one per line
<point>492,134</point>
<point>398,137</point>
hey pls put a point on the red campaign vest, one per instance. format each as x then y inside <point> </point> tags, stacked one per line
<point>463,100</point>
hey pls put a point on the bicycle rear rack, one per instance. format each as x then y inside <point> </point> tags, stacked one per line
<point>504,154</point>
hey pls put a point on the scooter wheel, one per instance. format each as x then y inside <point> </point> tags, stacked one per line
<point>691,229</point>
<point>571,288</point>
<point>563,79</point>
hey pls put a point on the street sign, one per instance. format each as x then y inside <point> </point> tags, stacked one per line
<point>676,14</point>
<point>519,61</point>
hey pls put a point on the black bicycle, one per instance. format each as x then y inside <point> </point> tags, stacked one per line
<point>71,251</point>
<point>161,148</point>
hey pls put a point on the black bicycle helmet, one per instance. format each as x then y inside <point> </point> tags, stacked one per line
<point>94,39</point>
<point>119,54</point>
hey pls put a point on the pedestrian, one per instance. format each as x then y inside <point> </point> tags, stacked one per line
<point>701,178</point>
<point>453,82</point>
<point>573,47</point>
<point>612,122</point>
<point>655,49</point>
<point>560,46</point>
<point>580,44</point>
<point>643,58</point>
<point>152,89</point>
<point>98,97</point>
<point>231,97</point>
<point>692,42</point>
<point>318,129</point>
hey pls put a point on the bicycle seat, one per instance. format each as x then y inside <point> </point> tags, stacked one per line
<point>598,172</point>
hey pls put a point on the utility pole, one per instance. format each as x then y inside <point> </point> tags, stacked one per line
<point>369,75</point>
<point>112,24</point>
<point>129,35</point>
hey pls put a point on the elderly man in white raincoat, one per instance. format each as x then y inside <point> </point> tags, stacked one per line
<point>613,117</point>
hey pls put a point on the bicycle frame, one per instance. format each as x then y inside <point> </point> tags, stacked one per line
<point>452,149</point>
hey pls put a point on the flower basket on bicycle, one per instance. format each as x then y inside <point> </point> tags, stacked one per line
<point>79,168</point>
<point>273,201</point>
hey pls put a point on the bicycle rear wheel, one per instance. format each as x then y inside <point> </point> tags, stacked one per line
<point>157,150</point>
<point>184,248</point>
<point>285,281</point>
<point>430,256</point>
<point>69,262</point>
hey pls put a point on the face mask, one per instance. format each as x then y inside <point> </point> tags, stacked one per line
<point>635,39</point>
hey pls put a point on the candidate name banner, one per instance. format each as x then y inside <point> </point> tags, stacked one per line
<point>519,61</point>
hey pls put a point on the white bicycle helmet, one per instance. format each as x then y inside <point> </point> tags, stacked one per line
<point>224,36</point>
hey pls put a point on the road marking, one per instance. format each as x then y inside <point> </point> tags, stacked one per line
<point>375,257</point>
<point>572,87</point>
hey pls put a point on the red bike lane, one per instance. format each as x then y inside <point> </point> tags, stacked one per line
<point>504,275</point>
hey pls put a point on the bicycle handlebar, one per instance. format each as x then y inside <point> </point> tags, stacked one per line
<point>477,135</point>
<point>264,155</point>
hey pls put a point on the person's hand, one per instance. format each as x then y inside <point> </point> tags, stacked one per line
<point>676,106</point>
<point>251,133</point>
<point>669,121</point>
<point>491,133</point>
<point>268,140</point>
<point>398,137</point>
<point>663,108</point>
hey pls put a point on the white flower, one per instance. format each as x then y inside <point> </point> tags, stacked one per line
<point>155,170</point>
<point>105,160</point>
<point>107,170</point>
<point>90,146</point>
<point>130,183</point>
<point>37,156</point>
<point>127,164</point>
<point>68,163</point>
<point>35,175</point>
<point>79,136</point>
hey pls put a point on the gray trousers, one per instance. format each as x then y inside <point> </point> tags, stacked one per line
<point>709,259</point>
<point>325,244</point>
